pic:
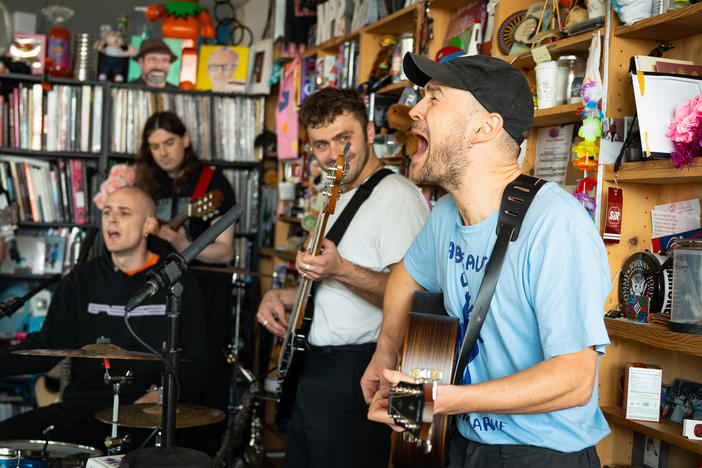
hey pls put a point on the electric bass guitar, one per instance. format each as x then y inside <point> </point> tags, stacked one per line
<point>428,356</point>
<point>294,345</point>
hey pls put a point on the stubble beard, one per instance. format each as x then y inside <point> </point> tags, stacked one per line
<point>444,165</point>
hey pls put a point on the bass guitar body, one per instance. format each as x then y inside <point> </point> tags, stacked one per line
<point>427,355</point>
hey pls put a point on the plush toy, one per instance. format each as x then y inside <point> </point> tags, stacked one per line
<point>113,56</point>
<point>186,20</point>
<point>383,61</point>
<point>399,120</point>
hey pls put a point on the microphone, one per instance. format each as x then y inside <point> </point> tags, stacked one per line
<point>175,263</point>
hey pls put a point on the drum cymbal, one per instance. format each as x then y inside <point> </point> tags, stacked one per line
<point>94,350</point>
<point>148,415</point>
<point>231,270</point>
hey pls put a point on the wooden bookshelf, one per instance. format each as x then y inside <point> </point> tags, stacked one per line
<point>556,115</point>
<point>655,171</point>
<point>656,335</point>
<point>395,88</point>
<point>664,430</point>
<point>675,24</point>
<point>568,45</point>
<point>401,21</point>
<point>285,254</point>
<point>47,154</point>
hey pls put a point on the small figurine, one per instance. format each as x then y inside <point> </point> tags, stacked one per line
<point>114,55</point>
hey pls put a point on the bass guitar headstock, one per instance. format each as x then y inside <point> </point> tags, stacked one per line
<point>335,180</point>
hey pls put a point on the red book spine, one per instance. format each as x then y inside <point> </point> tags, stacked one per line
<point>77,186</point>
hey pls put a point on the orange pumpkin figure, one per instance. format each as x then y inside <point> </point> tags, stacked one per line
<point>185,20</point>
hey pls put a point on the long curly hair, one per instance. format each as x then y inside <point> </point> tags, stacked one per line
<point>146,167</point>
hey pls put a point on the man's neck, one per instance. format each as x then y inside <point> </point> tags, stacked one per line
<point>480,194</point>
<point>132,260</point>
<point>372,166</point>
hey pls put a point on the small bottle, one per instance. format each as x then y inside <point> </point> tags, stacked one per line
<point>396,68</point>
<point>59,41</point>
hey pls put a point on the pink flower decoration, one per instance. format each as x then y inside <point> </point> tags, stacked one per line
<point>686,119</point>
<point>119,176</point>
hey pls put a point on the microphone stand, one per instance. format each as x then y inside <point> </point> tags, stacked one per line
<point>167,277</point>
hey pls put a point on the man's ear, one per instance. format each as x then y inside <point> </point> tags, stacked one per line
<point>489,129</point>
<point>140,61</point>
<point>186,140</point>
<point>150,226</point>
<point>370,131</point>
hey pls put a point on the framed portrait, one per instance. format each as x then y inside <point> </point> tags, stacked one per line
<point>260,67</point>
<point>222,68</point>
<point>173,76</point>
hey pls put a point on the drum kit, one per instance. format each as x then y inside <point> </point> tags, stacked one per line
<point>244,425</point>
<point>51,454</point>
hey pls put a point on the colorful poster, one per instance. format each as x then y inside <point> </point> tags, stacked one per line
<point>222,69</point>
<point>286,117</point>
<point>173,76</point>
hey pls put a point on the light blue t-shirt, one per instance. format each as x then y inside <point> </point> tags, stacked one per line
<point>549,301</point>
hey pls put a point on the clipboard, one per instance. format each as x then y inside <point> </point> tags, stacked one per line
<point>657,95</point>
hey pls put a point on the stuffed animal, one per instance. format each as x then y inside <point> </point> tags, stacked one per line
<point>113,55</point>
<point>399,120</point>
<point>383,61</point>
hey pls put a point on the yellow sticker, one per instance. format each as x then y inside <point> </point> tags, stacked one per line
<point>540,54</point>
<point>642,81</point>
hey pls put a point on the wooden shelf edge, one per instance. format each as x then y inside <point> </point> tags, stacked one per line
<point>380,26</point>
<point>395,88</point>
<point>655,171</point>
<point>679,23</point>
<point>556,115</point>
<point>665,430</point>
<point>655,335</point>
<point>567,44</point>
<point>288,255</point>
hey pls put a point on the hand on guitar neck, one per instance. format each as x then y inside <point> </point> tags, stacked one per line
<point>205,207</point>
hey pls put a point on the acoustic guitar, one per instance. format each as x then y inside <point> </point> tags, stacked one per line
<point>45,396</point>
<point>294,345</point>
<point>428,356</point>
<point>205,207</point>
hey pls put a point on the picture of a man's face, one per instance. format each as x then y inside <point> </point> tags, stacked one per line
<point>221,66</point>
<point>154,68</point>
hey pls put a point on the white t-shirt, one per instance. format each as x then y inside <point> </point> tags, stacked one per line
<point>378,236</point>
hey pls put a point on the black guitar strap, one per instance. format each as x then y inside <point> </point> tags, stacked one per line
<point>364,190</point>
<point>336,232</point>
<point>516,199</point>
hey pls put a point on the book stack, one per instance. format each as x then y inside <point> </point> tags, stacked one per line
<point>220,127</point>
<point>64,118</point>
<point>46,191</point>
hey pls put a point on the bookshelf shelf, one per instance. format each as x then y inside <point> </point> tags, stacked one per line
<point>659,171</point>
<point>212,162</point>
<point>399,22</point>
<point>556,115</point>
<point>23,277</point>
<point>47,154</point>
<point>285,254</point>
<point>290,219</point>
<point>395,88</point>
<point>674,24</point>
<point>32,224</point>
<point>573,44</point>
<point>664,430</point>
<point>655,335</point>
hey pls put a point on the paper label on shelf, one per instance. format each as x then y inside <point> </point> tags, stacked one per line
<point>540,54</point>
<point>643,394</point>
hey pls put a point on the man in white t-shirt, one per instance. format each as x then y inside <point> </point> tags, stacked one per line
<point>329,427</point>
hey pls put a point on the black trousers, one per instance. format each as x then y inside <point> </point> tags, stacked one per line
<point>329,427</point>
<point>465,453</point>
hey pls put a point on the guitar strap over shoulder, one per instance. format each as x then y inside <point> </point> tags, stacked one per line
<point>364,190</point>
<point>516,200</point>
<point>203,182</point>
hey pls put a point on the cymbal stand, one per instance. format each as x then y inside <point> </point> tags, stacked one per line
<point>113,443</point>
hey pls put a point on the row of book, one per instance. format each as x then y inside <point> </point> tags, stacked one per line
<point>339,70</point>
<point>220,127</point>
<point>47,191</point>
<point>63,118</point>
<point>245,185</point>
<point>45,252</point>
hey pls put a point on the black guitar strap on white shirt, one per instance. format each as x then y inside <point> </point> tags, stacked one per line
<point>516,200</point>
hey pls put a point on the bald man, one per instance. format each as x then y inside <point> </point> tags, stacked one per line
<point>221,66</point>
<point>89,304</point>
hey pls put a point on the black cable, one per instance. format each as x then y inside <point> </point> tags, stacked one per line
<point>176,380</point>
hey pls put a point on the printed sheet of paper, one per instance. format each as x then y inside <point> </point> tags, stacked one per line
<point>553,153</point>
<point>673,218</point>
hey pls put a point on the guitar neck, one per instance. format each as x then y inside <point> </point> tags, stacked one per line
<point>179,219</point>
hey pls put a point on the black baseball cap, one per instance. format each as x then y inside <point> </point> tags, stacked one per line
<point>497,85</point>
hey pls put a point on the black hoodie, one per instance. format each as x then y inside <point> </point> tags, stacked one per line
<point>89,304</point>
